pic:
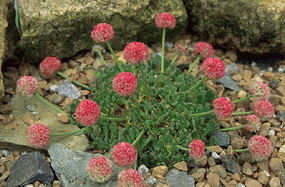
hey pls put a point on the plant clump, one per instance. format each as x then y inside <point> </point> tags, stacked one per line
<point>26,86</point>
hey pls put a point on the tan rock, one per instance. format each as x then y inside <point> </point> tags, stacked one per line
<point>281,90</point>
<point>63,118</point>
<point>28,119</point>
<point>275,182</point>
<point>201,161</point>
<point>159,170</point>
<point>83,80</point>
<point>89,60</point>
<point>237,77</point>
<point>181,166</point>
<point>263,179</point>
<point>247,75</point>
<point>232,55</point>
<point>198,176</point>
<point>213,179</point>
<point>43,85</point>
<point>241,94</point>
<point>233,183</point>
<point>268,75</point>
<point>216,149</point>
<point>282,100</point>
<point>211,161</point>
<point>238,143</point>
<point>236,177</point>
<point>66,101</point>
<point>230,150</point>
<point>219,170</point>
<point>252,183</point>
<point>84,92</point>
<point>247,169</point>
<point>276,164</point>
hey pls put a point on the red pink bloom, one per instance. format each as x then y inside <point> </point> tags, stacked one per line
<point>99,169</point>
<point>26,86</point>
<point>213,68</point>
<point>102,32</point>
<point>130,178</point>
<point>124,154</point>
<point>38,135</point>
<point>223,107</point>
<point>49,66</point>
<point>135,52</point>
<point>87,112</point>
<point>260,147</point>
<point>125,83</point>
<point>205,49</point>
<point>164,20</point>
<point>264,109</point>
<point>198,149</point>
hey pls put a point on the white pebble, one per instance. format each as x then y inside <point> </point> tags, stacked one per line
<point>143,169</point>
<point>240,185</point>
<point>261,72</point>
<point>282,149</point>
<point>266,173</point>
<point>29,185</point>
<point>270,69</point>
<point>280,70</point>
<point>156,53</point>
<point>271,133</point>
<point>215,155</point>
<point>281,126</point>
<point>253,64</point>
<point>169,44</point>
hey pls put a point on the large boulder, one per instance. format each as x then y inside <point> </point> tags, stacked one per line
<point>63,27</point>
<point>255,26</point>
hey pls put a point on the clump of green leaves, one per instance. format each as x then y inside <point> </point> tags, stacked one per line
<point>159,107</point>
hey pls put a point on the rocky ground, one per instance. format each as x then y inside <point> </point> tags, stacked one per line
<point>219,168</point>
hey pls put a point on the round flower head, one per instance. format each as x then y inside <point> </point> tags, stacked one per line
<point>125,83</point>
<point>205,49</point>
<point>26,86</point>
<point>135,52</point>
<point>49,66</point>
<point>263,109</point>
<point>99,169</point>
<point>223,107</point>
<point>198,149</point>
<point>164,20</point>
<point>253,123</point>
<point>260,147</point>
<point>124,154</point>
<point>130,178</point>
<point>38,135</point>
<point>87,112</point>
<point>180,49</point>
<point>213,68</point>
<point>102,32</point>
<point>260,90</point>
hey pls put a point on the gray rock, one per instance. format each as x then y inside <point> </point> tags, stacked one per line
<point>70,167</point>
<point>229,83</point>
<point>280,116</point>
<point>232,68</point>
<point>156,53</point>
<point>35,113</point>
<point>69,90</point>
<point>58,99</point>
<point>143,169</point>
<point>281,175</point>
<point>150,181</point>
<point>179,178</point>
<point>31,108</point>
<point>230,164</point>
<point>5,153</point>
<point>29,168</point>
<point>222,138</point>
<point>273,83</point>
<point>53,88</point>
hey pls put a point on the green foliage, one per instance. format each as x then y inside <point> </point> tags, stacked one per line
<point>161,109</point>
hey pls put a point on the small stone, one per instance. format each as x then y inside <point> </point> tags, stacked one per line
<point>143,169</point>
<point>219,170</point>
<point>238,143</point>
<point>27,118</point>
<point>273,83</point>
<point>216,149</point>
<point>230,164</point>
<point>222,138</point>
<point>280,115</point>
<point>69,90</point>
<point>242,94</point>
<point>236,177</point>
<point>53,88</point>
<point>264,130</point>
<point>159,170</point>
<point>31,108</point>
<point>275,182</point>
<point>211,161</point>
<point>198,176</point>
<point>252,183</point>
<point>276,164</point>
<point>281,90</point>
<point>63,118</point>
<point>268,75</point>
<point>247,169</point>
<point>181,166</point>
<point>201,161</point>
<point>58,99</point>
<point>263,179</point>
<point>66,102</point>
<point>232,55</point>
<point>275,99</point>
<point>5,109</point>
<point>5,153</point>
<point>179,178</point>
<point>215,155</point>
<point>213,179</point>
<point>237,77</point>
<point>150,180</point>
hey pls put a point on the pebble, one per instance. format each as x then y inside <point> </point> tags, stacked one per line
<point>273,83</point>
<point>213,179</point>
<point>181,166</point>
<point>215,155</point>
<point>150,181</point>
<point>143,169</point>
<point>31,108</point>
<point>58,99</point>
<point>252,183</point>
<point>275,182</point>
<point>5,153</point>
<point>219,170</point>
<point>276,164</point>
<point>159,170</point>
<point>247,169</point>
<point>63,118</point>
<point>53,88</point>
<point>69,90</point>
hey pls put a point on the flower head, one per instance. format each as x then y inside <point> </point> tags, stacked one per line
<point>164,20</point>
<point>26,86</point>
<point>125,83</point>
<point>223,107</point>
<point>180,49</point>
<point>38,135</point>
<point>213,68</point>
<point>253,123</point>
<point>205,49</point>
<point>198,149</point>
<point>263,109</point>
<point>130,178</point>
<point>260,90</point>
<point>135,52</point>
<point>102,32</point>
<point>99,169</point>
<point>124,154</point>
<point>49,66</point>
<point>87,112</point>
<point>260,147</point>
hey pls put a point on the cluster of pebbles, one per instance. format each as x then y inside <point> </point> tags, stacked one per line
<point>219,168</point>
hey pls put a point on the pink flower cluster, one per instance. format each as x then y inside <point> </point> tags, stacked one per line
<point>135,52</point>
<point>38,135</point>
<point>49,66</point>
<point>26,86</point>
<point>198,149</point>
<point>87,112</point>
<point>223,107</point>
<point>264,109</point>
<point>130,177</point>
<point>124,154</point>
<point>259,90</point>
<point>260,147</point>
<point>253,123</point>
<point>164,20</point>
<point>213,68</point>
<point>125,83</point>
<point>102,32</point>
<point>205,49</point>
<point>99,169</point>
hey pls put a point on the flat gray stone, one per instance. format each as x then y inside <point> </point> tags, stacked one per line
<point>222,138</point>
<point>70,167</point>
<point>179,178</point>
<point>69,90</point>
<point>29,168</point>
<point>228,82</point>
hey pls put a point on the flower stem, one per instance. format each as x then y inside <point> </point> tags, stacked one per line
<point>162,50</point>
<point>196,85</point>
<point>68,133</point>
<point>112,52</point>
<point>74,81</point>
<point>138,138</point>
<point>232,128</point>
<point>143,76</point>
<point>183,148</point>
<point>48,103</point>
<point>242,113</point>
<point>242,99</point>
<point>112,119</point>
<point>200,114</point>
<point>241,150</point>
<point>102,58</point>
<point>194,64</point>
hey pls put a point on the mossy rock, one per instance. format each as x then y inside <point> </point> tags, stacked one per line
<point>63,27</point>
<point>255,26</point>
